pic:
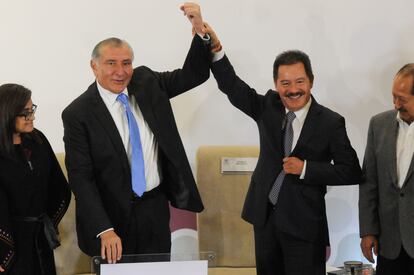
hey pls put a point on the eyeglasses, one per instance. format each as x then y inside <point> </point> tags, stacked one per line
<point>28,114</point>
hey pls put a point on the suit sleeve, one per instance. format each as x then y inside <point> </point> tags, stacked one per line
<point>89,207</point>
<point>195,71</point>
<point>239,93</point>
<point>368,190</point>
<point>343,169</point>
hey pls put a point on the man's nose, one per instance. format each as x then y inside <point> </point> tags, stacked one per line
<point>292,88</point>
<point>119,69</point>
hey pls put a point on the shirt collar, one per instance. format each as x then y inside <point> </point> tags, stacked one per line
<point>108,96</point>
<point>302,113</point>
<point>399,118</point>
<point>403,123</point>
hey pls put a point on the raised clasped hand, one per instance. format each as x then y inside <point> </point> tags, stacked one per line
<point>193,13</point>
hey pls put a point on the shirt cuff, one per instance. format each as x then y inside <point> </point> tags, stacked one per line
<point>218,55</point>
<point>205,37</point>
<point>302,175</point>
<point>109,229</point>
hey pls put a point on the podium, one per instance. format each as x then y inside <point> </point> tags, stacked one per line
<point>155,264</point>
<point>203,263</point>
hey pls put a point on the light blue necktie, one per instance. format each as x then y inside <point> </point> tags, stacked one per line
<point>287,146</point>
<point>137,159</point>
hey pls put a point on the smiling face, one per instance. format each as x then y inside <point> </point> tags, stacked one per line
<point>293,85</point>
<point>403,98</point>
<point>113,68</point>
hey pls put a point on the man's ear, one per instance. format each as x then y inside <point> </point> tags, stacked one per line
<point>94,66</point>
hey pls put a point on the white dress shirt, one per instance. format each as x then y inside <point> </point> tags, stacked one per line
<point>149,144</point>
<point>298,122</point>
<point>297,125</point>
<point>405,149</point>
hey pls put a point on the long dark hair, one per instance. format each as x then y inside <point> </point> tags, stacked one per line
<point>13,99</point>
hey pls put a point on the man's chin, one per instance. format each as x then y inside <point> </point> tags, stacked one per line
<point>406,117</point>
<point>294,105</point>
<point>117,89</point>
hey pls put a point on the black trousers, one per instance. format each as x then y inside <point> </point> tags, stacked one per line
<point>148,229</point>
<point>403,264</point>
<point>279,253</point>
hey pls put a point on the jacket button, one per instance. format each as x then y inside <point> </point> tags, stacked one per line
<point>401,194</point>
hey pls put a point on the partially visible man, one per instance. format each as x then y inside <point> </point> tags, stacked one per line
<point>386,195</point>
<point>124,155</point>
<point>303,148</point>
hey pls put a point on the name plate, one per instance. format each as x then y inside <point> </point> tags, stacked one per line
<point>238,165</point>
<point>156,268</point>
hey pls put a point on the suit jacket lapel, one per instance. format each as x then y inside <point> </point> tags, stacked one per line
<point>409,173</point>
<point>309,125</point>
<point>137,88</point>
<point>391,143</point>
<point>411,168</point>
<point>277,116</point>
<point>104,117</point>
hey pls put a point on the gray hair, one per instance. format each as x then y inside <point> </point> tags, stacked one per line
<point>407,70</point>
<point>113,42</point>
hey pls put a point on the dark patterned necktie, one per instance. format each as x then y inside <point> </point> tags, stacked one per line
<point>287,144</point>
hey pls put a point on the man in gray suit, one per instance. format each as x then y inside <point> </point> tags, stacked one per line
<point>386,197</point>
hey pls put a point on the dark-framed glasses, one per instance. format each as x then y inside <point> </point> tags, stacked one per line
<point>28,114</point>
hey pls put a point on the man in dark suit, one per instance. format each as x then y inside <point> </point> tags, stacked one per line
<point>303,148</point>
<point>386,195</point>
<point>124,155</point>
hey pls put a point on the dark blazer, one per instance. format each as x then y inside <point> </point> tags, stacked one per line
<point>385,209</point>
<point>98,168</point>
<point>323,143</point>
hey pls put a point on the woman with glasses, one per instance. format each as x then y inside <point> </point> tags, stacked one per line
<point>34,193</point>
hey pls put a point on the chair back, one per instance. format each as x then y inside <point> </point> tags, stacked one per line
<point>220,227</point>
